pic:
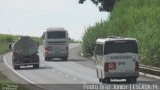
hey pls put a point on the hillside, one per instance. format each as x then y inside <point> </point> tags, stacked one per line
<point>131,18</point>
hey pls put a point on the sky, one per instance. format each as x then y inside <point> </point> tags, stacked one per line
<point>33,17</point>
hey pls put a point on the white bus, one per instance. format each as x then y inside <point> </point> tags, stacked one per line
<point>117,58</point>
<point>55,42</point>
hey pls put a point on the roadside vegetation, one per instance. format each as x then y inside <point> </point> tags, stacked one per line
<point>3,79</point>
<point>130,18</point>
<point>5,40</point>
<point>4,82</point>
<point>73,41</point>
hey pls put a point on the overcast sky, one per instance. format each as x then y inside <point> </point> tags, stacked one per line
<point>32,17</point>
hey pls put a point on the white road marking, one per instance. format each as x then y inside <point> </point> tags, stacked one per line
<point>74,78</point>
<point>82,74</point>
<point>86,68</point>
<point>53,70</point>
<point>66,75</point>
<point>42,64</point>
<point>22,75</point>
<point>60,72</point>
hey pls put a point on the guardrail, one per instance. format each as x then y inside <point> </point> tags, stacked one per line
<point>150,69</point>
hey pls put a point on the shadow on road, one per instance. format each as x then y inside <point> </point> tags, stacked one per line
<point>119,82</point>
<point>31,68</point>
<point>77,60</point>
<point>59,60</point>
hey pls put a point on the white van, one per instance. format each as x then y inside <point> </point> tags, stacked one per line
<point>117,58</point>
<point>55,42</point>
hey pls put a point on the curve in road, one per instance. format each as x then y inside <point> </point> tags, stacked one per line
<point>78,70</point>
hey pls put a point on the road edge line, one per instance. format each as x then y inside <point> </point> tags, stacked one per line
<point>29,81</point>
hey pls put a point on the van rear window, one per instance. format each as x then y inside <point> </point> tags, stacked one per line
<point>56,35</point>
<point>129,46</point>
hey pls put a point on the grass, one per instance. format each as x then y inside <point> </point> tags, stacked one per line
<point>5,39</point>
<point>4,48</point>
<point>4,81</point>
<point>131,18</point>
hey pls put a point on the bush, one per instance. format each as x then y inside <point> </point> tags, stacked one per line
<point>131,18</point>
<point>5,38</point>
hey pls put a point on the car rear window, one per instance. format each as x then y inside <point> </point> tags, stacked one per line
<point>122,46</point>
<point>56,35</point>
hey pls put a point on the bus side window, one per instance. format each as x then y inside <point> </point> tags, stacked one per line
<point>99,50</point>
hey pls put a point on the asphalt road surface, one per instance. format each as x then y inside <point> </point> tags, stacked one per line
<point>78,73</point>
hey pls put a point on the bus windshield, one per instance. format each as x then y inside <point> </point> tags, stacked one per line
<point>56,35</point>
<point>120,47</point>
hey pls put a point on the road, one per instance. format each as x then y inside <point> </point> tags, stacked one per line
<point>73,74</point>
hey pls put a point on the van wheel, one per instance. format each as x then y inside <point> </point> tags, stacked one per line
<point>65,58</point>
<point>131,80</point>
<point>100,80</point>
<point>134,80</point>
<point>128,80</point>
<point>103,80</point>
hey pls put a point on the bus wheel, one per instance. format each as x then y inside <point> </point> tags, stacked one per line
<point>103,80</point>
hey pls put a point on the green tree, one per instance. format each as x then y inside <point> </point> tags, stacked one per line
<point>103,5</point>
